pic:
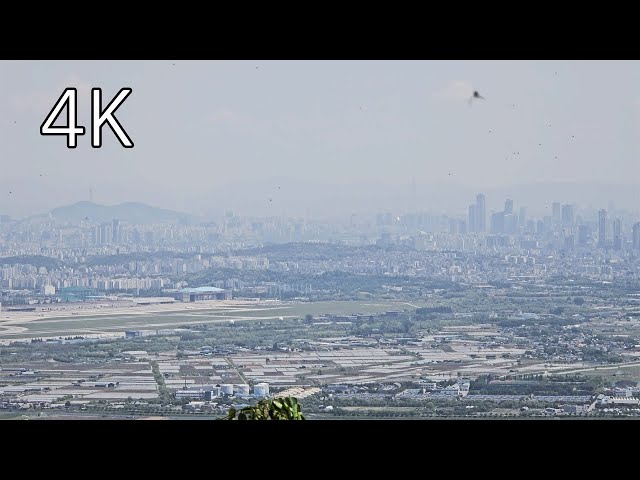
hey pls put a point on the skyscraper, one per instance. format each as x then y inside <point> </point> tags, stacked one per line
<point>556,216</point>
<point>497,222</point>
<point>583,234</point>
<point>473,219</point>
<point>522,218</point>
<point>602,228</point>
<point>617,234</point>
<point>115,225</point>
<point>636,236</point>
<point>508,206</point>
<point>567,216</point>
<point>531,226</point>
<point>105,233</point>
<point>510,225</point>
<point>481,213</point>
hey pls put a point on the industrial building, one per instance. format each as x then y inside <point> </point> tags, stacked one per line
<point>203,293</point>
<point>200,392</point>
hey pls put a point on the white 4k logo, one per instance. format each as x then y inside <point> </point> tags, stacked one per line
<point>99,117</point>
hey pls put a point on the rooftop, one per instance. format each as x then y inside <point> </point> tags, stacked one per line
<point>202,290</point>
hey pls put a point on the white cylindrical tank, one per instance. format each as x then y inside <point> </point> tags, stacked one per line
<point>261,390</point>
<point>227,389</point>
<point>242,389</point>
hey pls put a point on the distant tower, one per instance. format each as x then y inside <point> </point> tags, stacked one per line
<point>567,216</point>
<point>522,218</point>
<point>481,213</point>
<point>508,206</point>
<point>473,219</point>
<point>556,215</point>
<point>115,227</point>
<point>497,222</point>
<point>602,228</point>
<point>583,234</point>
<point>617,234</point>
<point>90,194</point>
<point>636,236</point>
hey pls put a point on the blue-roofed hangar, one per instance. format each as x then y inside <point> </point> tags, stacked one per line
<point>203,293</point>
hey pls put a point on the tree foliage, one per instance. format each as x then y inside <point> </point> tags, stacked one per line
<point>286,408</point>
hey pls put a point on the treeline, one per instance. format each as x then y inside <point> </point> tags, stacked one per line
<point>283,252</point>
<point>125,258</point>
<point>35,260</point>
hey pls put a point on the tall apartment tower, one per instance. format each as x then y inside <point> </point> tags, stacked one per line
<point>481,213</point>
<point>522,218</point>
<point>473,219</point>
<point>567,216</point>
<point>555,214</point>
<point>115,227</point>
<point>508,206</point>
<point>617,234</point>
<point>636,236</point>
<point>602,228</point>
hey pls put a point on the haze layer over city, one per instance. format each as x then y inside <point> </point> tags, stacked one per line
<point>337,137</point>
<point>376,239</point>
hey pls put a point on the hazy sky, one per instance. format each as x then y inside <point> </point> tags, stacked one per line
<point>226,132</point>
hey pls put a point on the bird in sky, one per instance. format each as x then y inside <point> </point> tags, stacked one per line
<point>475,95</point>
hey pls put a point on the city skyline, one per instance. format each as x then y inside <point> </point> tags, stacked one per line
<point>213,132</point>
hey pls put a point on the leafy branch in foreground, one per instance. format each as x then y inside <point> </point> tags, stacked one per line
<point>286,408</point>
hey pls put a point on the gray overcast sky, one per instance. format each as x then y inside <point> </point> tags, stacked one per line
<point>208,131</point>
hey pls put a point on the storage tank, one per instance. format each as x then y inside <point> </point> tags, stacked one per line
<point>227,389</point>
<point>242,389</point>
<point>261,390</point>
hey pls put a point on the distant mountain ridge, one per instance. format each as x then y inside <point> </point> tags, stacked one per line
<point>131,212</point>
